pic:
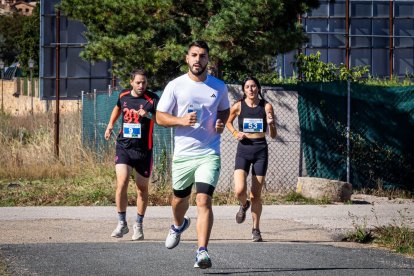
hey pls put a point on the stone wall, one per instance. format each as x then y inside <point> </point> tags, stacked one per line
<point>17,104</point>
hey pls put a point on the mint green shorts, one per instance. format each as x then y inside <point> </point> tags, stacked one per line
<point>189,170</point>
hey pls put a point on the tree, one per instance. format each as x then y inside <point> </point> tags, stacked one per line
<point>19,39</point>
<point>10,27</point>
<point>243,35</point>
<point>28,40</point>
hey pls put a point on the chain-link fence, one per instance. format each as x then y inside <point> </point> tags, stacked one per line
<point>358,133</point>
<point>340,131</point>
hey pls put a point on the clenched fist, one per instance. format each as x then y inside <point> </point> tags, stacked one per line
<point>219,126</point>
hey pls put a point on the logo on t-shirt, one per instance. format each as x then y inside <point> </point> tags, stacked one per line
<point>130,115</point>
<point>213,95</point>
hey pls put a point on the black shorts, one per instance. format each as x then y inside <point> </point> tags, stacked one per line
<point>252,152</point>
<point>201,188</point>
<point>140,160</point>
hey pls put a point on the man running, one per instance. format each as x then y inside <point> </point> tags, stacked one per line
<point>197,105</point>
<point>133,149</point>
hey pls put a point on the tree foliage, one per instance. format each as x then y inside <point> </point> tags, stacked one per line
<point>153,34</point>
<point>10,28</point>
<point>28,41</point>
<point>19,39</point>
<point>310,68</point>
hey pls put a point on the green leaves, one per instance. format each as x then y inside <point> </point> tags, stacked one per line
<point>154,34</point>
<point>311,68</point>
<point>10,28</point>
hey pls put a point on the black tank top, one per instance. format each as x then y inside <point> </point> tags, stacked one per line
<point>250,118</point>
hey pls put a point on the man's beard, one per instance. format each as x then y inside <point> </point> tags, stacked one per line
<point>138,93</point>
<point>198,73</point>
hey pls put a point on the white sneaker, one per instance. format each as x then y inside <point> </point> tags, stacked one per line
<point>203,260</point>
<point>173,238</point>
<point>138,232</point>
<point>120,230</point>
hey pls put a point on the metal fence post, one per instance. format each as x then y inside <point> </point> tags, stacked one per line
<point>348,129</point>
<point>95,120</point>
<point>81,115</point>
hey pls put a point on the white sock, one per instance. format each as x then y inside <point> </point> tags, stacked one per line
<point>179,227</point>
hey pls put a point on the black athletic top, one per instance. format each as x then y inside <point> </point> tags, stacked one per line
<point>257,112</point>
<point>129,104</point>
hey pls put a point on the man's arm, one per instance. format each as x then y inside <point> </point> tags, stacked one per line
<point>221,121</point>
<point>167,120</point>
<point>114,116</point>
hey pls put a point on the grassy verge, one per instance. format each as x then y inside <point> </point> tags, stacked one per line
<point>99,190</point>
<point>3,270</point>
<point>3,267</point>
<point>95,188</point>
<point>396,236</point>
<point>399,239</point>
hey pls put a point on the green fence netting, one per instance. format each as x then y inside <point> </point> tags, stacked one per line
<point>381,136</point>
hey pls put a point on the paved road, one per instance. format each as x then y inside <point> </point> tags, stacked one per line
<point>300,240</point>
<point>151,258</point>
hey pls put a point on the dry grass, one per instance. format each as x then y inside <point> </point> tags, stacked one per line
<point>389,193</point>
<point>31,174</point>
<point>27,148</point>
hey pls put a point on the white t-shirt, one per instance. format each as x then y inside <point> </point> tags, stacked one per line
<point>182,95</point>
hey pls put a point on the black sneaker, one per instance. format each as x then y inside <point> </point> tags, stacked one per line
<point>256,236</point>
<point>241,214</point>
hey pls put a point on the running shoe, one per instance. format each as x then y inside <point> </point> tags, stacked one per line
<point>241,214</point>
<point>120,230</point>
<point>202,260</point>
<point>256,235</point>
<point>138,232</point>
<point>173,238</point>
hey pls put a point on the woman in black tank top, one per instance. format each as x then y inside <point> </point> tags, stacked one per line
<point>255,119</point>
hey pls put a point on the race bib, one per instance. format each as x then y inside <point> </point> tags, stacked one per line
<point>197,108</point>
<point>252,125</point>
<point>132,130</point>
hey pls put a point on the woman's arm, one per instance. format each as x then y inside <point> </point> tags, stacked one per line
<point>234,112</point>
<point>271,123</point>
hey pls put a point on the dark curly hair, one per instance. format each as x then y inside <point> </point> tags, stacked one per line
<point>135,72</point>
<point>256,81</point>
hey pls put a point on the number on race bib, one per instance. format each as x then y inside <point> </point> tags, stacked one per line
<point>252,125</point>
